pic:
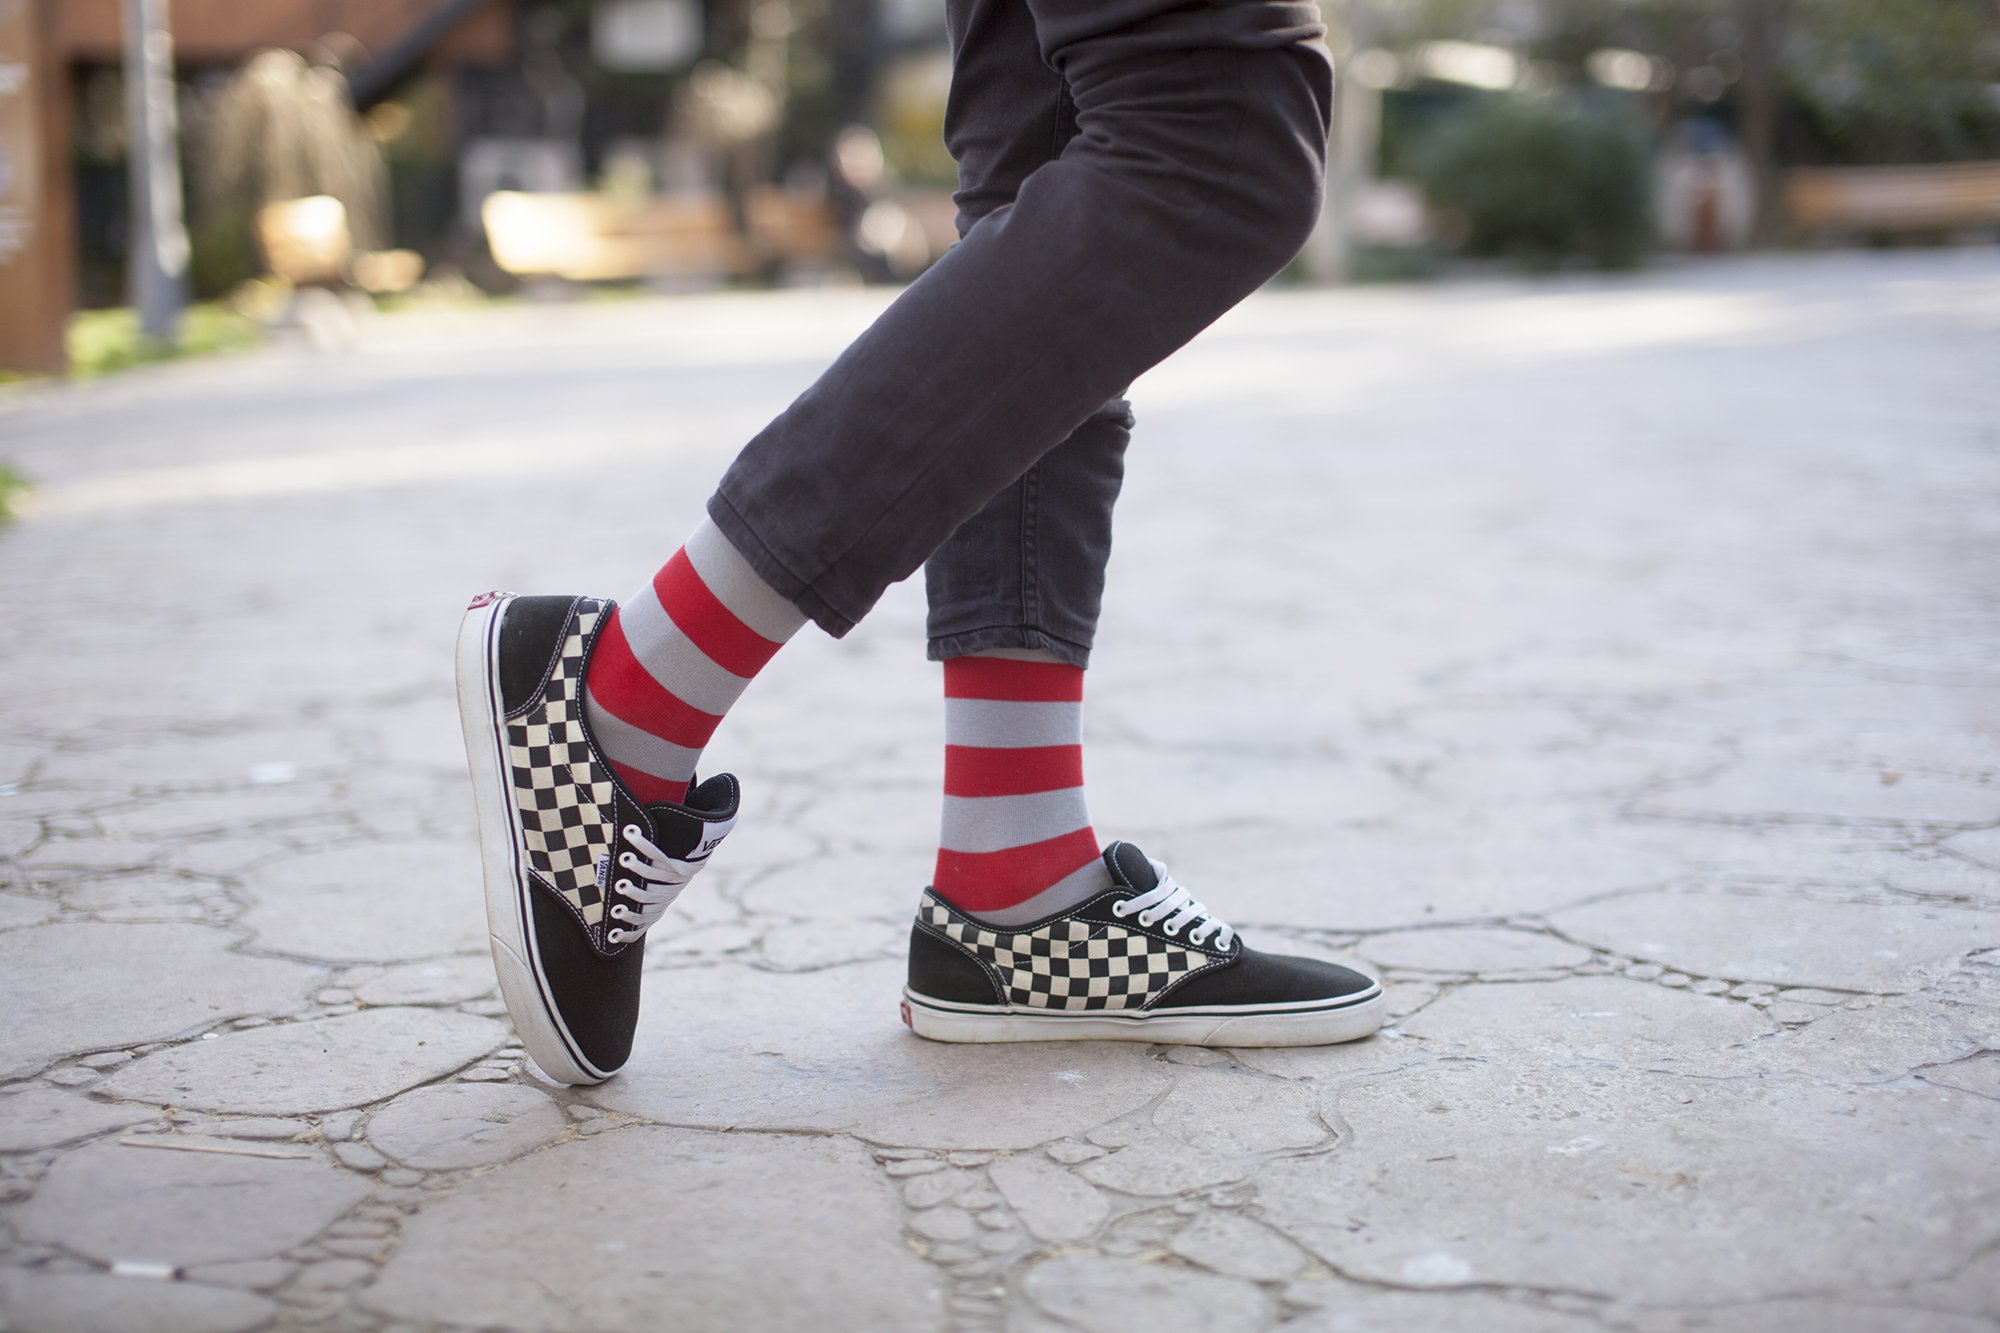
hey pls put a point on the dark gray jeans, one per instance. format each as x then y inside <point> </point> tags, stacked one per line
<point>1129,170</point>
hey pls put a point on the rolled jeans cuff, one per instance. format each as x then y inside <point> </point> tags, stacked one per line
<point>786,583</point>
<point>968,642</point>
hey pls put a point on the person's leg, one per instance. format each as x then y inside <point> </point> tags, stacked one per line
<point>1015,591</point>
<point>1027,570</point>
<point>1027,932</point>
<point>654,695</point>
<point>1193,176</point>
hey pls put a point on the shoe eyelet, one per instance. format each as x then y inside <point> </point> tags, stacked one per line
<point>1122,908</point>
<point>1170,930</point>
<point>630,830</point>
<point>615,935</point>
<point>623,886</point>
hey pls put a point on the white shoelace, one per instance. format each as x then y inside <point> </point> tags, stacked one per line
<point>664,877</point>
<point>1170,900</point>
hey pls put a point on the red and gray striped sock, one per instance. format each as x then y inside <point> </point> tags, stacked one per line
<point>671,661</point>
<point>1016,843</point>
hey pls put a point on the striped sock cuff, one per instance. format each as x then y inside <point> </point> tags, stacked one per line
<point>1013,681</point>
<point>1016,827</point>
<point>759,606</point>
<point>673,659</point>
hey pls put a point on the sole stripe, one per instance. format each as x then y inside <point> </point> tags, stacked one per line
<point>1312,1023</point>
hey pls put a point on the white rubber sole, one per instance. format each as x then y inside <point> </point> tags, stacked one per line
<point>509,926</point>
<point>1314,1023</point>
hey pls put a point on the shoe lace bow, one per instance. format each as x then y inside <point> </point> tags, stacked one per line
<point>1168,899</point>
<point>660,879</point>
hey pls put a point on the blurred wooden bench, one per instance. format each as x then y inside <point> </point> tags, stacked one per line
<point>1872,200</point>
<point>597,238</point>
<point>795,227</point>
<point>307,242</point>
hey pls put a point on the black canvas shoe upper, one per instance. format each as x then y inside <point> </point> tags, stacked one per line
<point>1106,954</point>
<point>601,867</point>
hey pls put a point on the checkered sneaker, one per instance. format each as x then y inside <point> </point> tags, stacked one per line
<point>1071,963</point>
<point>563,790</point>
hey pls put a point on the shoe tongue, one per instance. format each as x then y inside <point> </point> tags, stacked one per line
<point>690,830</point>
<point>1130,867</point>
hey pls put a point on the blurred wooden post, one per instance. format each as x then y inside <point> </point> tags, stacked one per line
<point>159,251</point>
<point>1762,27</point>
<point>37,247</point>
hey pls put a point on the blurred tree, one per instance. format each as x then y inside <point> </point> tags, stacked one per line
<point>1895,81</point>
<point>1797,81</point>
<point>1539,179</point>
<point>281,128</point>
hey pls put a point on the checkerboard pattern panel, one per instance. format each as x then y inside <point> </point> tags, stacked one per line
<point>563,792</point>
<point>1069,963</point>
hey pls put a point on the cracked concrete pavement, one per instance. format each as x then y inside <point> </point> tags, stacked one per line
<point>1613,664</point>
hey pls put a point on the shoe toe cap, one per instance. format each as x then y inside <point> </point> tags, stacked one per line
<point>1256,977</point>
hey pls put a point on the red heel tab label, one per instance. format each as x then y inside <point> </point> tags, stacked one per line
<point>484,599</point>
<point>906,1017</point>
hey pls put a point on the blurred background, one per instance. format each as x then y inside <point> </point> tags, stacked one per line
<point>179,175</point>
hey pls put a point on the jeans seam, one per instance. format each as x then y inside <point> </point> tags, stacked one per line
<point>1031,510</point>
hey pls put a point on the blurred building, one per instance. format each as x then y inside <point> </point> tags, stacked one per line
<point>707,139</point>
<point>385,44</point>
<point>626,98</point>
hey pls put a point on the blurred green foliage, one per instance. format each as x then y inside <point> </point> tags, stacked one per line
<point>1897,81</point>
<point>1860,81</point>
<point>103,341</point>
<point>13,490</point>
<point>1542,180</point>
